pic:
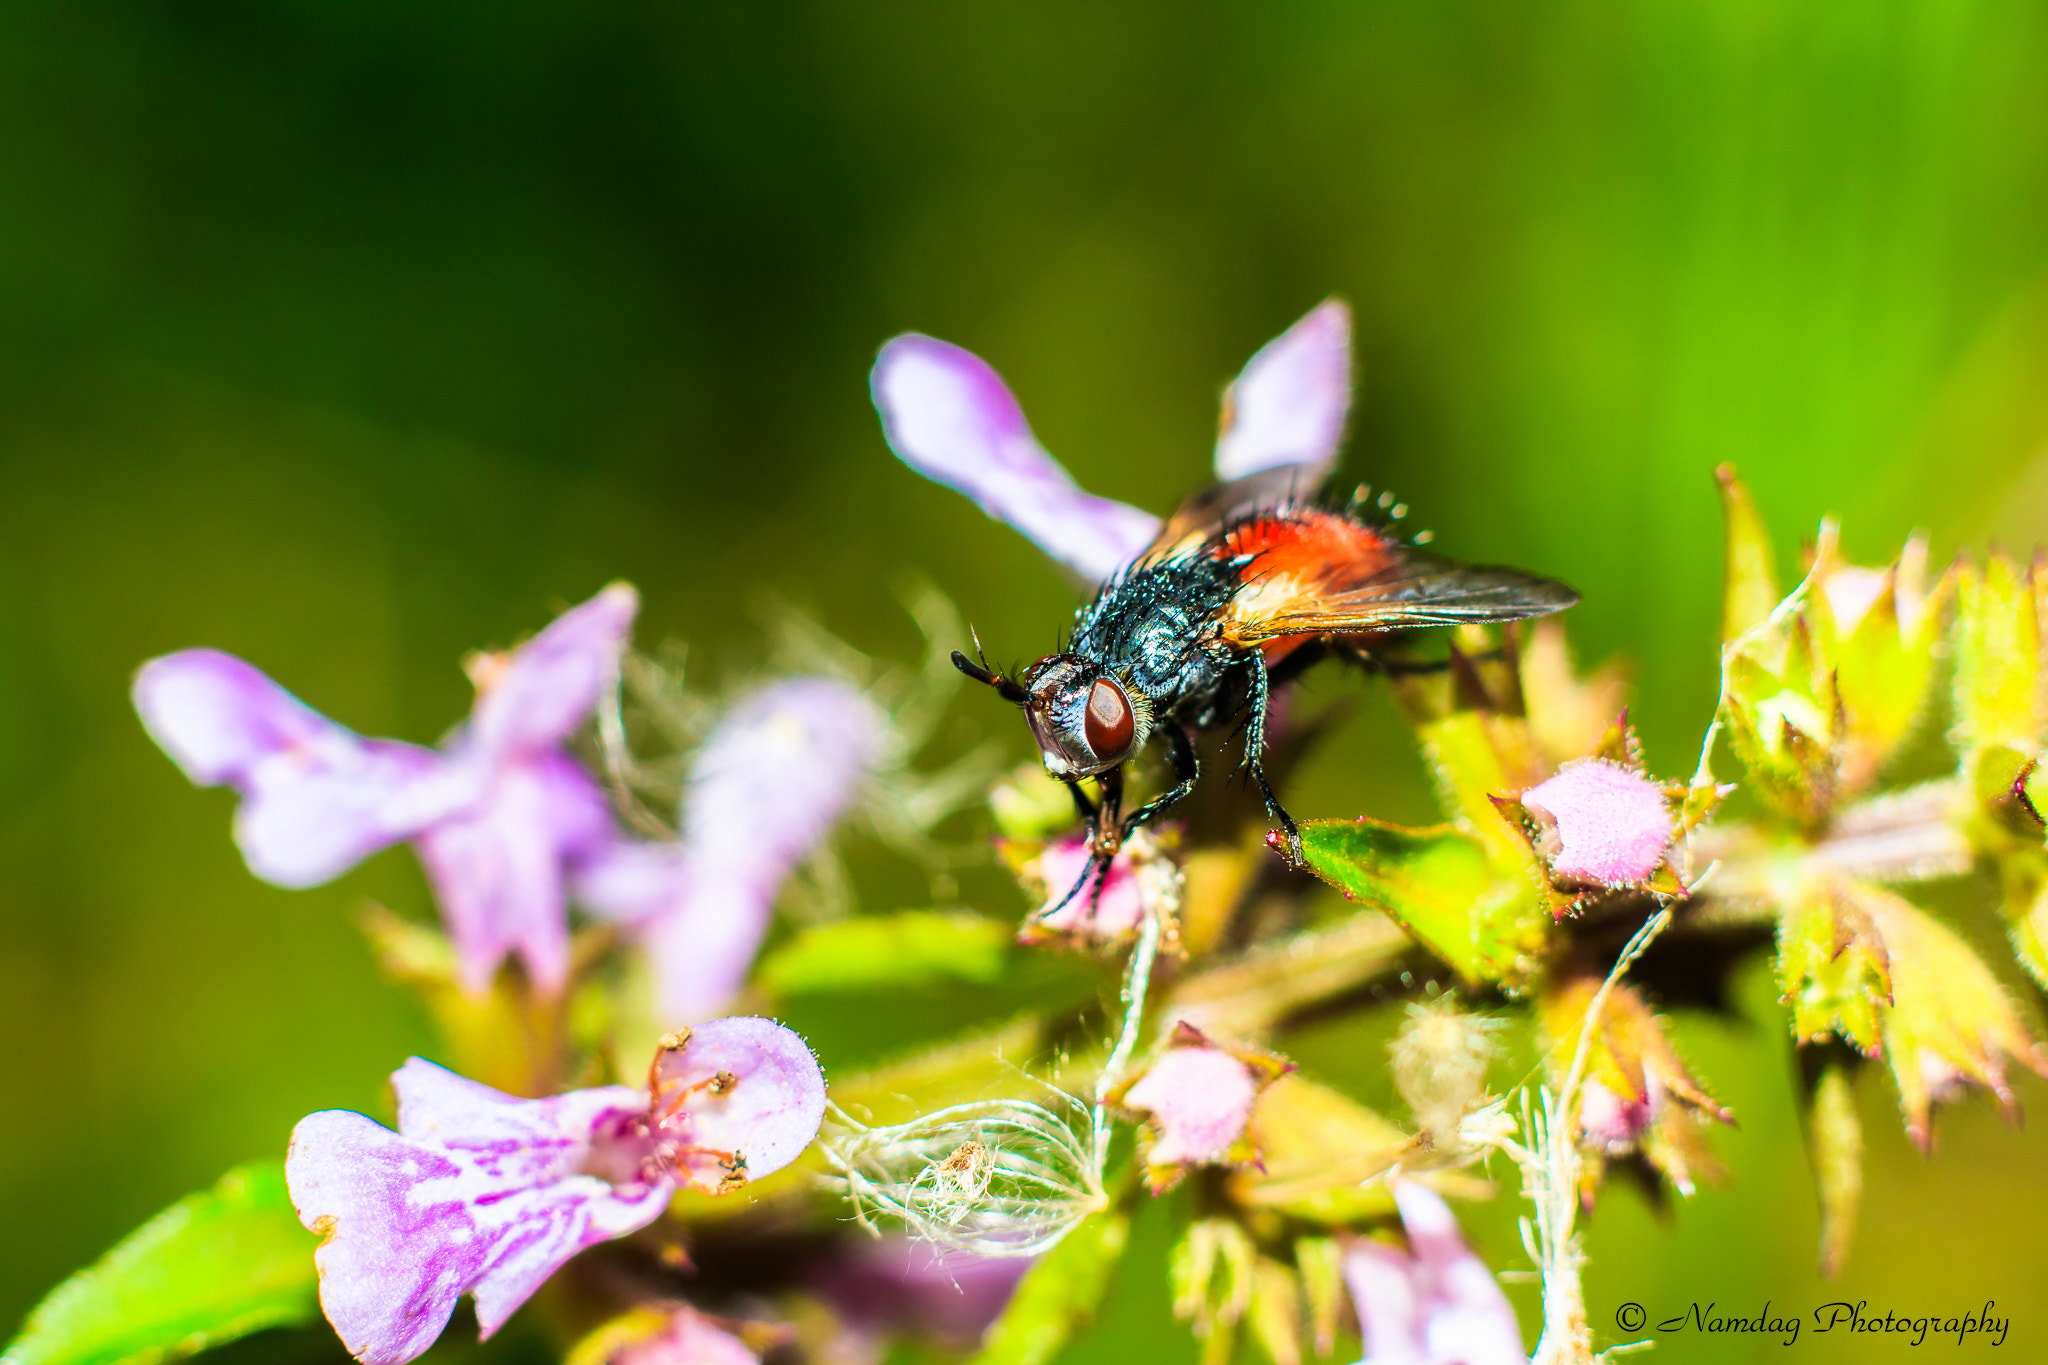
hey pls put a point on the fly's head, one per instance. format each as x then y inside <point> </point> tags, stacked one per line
<point>1084,719</point>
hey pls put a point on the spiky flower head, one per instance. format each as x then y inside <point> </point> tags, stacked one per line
<point>1006,1177</point>
<point>1440,1058</point>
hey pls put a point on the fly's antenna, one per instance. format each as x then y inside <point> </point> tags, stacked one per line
<point>1007,689</point>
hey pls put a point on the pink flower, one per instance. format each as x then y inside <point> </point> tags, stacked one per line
<point>1434,1304</point>
<point>1110,917</point>
<point>776,773</point>
<point>1601,823</point>
<point>949,416</point>
<point>498,814</point>
<point>1199,1099</point>
<point>687,1338</point>
<point>482,1193</point>
<point>1617,1121</point>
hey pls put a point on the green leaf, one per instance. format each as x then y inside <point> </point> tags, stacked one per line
<point>1998,657</point>
<point>1785,718</point>
<point>1834,1143</point>
<point>212,1267</point>
<point>1475,757</point>
<point>1438,884</point>
<point>1320,1153</point>
<point>906,949</point>
<point>2024,879</point>
<point>1321,1263</point>
<point>1058,1295</point>
<point>1833,969</point>
<point>1749,576</point>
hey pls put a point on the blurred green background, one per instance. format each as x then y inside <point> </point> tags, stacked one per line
<point>349,336</point>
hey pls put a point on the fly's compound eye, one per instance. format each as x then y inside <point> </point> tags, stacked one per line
<point>1109,724</point>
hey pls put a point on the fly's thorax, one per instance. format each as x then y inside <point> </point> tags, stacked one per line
<point>1151,626</point>
<point>1085,718</point>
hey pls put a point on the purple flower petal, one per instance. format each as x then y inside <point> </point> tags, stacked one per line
<point>949,416</point>
<point>1383,1291</point>
<point>390,1270</point>
<point>535,697</point>
<point>778,770</point>
<point>701,955</point>
<point>498,871</point>
<point>1201,1099</point>
<point>1610,825</point>
<point>316,798</point>
<point>478,1192</point>
<point>1287,405</point>
<point>1435,1305</point>
<point>883,1284</point>
<point>630,881</point>
<point>749,1087</point>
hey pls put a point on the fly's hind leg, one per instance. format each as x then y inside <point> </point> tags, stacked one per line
<point>1255,746</point>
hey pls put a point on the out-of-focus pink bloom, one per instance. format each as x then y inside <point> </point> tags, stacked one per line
<point>1201,1098</point>
<point>1602,823</point>
<point>1852,591</point>
<point>949,416</point>
<point>777,771</point>
<point>889,1284</point>
<point>687,1338</point>
<point>1198,1100</point>
<point>1110,917</point>
<point>1616,1121</point>
<point>1434,1304</point>
<point>483,1193</point>
<point>497,814</point>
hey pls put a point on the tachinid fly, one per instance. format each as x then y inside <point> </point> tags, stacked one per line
<point>1244,588</point>
<point>1197,619</point>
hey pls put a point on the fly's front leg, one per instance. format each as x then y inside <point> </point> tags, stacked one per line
<point>1105,837</point>
<point>1109,832</point>
<point>1180,750</point>
<point>1082,805</point>
<point>1255,745</point>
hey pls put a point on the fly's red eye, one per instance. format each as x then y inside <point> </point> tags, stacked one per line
<point>1109,724</point>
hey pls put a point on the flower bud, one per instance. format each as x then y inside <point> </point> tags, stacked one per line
<point>1600,823</point>
<point>1637,1095</point>
<point>1143,878</point>
<point>1440,1060</point>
